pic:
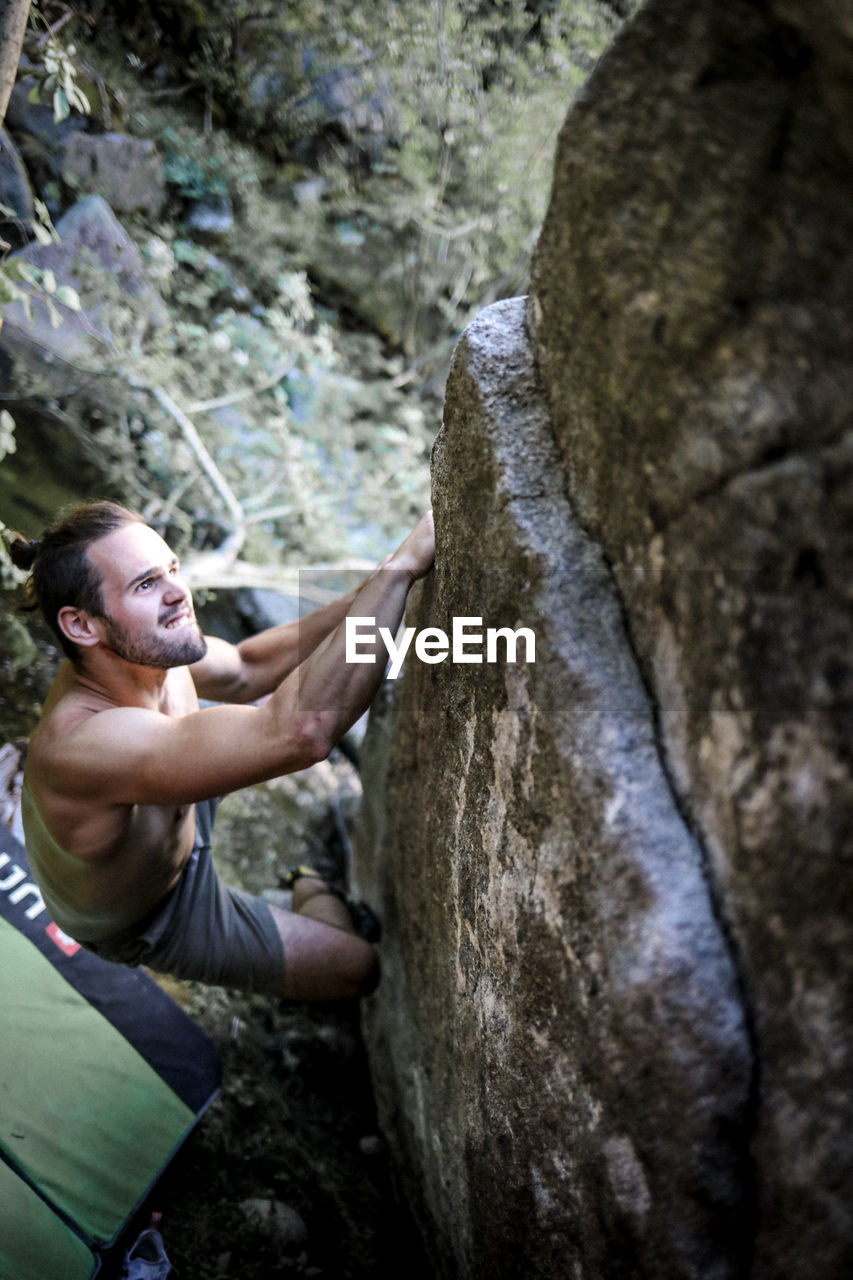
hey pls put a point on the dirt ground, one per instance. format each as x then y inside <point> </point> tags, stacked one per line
<point>294,1124</point>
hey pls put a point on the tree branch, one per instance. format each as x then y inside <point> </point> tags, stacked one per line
<point>234,397</point>
<point>57,26</point>
<point>214,571</point>
<point>13,24</point>
<point>279,513</point>
<point>220,569</point>
<point>232,544</point>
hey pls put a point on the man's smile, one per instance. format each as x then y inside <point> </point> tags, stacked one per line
<point>177,620</point>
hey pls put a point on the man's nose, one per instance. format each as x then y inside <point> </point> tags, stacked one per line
<point>176,589</point>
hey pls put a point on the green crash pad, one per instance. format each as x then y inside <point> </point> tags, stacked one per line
<point>34,1243</point>
<point>86,1124</point>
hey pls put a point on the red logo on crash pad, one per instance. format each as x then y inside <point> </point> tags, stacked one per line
<point>62,940</point>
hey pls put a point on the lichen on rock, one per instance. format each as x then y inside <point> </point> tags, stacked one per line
<point>612,1037</point>
<point>558,1044</point>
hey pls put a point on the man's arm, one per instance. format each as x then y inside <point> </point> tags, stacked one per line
<point>130,755</point>
<point>257,665</point>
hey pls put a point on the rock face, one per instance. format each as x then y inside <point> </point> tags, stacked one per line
<point>15,193</point>
<point>127,172</point>
<point>34,121</point>
<point>92,244</point>
<point>559,1032</point>
<point>97,258</point>
<point>612,1037</point>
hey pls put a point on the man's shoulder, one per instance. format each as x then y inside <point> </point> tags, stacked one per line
<point>72,705</point>
<point>65,709</point>
<point>79,731</point>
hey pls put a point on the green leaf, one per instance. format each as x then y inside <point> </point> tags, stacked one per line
<point>26,271</point>
<point>61,109</point>
<point>43,215</point>
<point>68,297</point>
<point>79,100</point>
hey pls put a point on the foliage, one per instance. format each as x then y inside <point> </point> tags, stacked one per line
<point>22,281</point>
<point>9,575</point>
<point>54,71</point>
<point>287,423</point>
<point>480,93</point>
<point>7,433</point>
<point>192,170</point>
<point>16,647</point>
<point>431,127</point>
<point>393,169</point>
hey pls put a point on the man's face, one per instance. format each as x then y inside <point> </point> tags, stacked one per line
<point>148,612</point>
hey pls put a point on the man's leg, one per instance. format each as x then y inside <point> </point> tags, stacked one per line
<point>324,958</point>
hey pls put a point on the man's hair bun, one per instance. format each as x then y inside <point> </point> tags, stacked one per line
<point>23,551</point>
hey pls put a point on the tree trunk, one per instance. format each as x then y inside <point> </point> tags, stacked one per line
<point>13,22</point>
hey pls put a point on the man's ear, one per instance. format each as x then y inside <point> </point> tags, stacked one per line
<point>78,626</point>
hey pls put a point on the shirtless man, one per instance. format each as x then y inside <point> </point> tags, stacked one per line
<point>124,769</point>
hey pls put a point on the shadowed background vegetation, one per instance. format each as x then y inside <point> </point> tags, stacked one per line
<point>344,187</point>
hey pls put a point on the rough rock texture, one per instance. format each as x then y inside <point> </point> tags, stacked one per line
<point>692,305</point>
<point>126,171</point>
<point>38,361</point>
<point>35,129</point>
<point>93,245</point>
<point>826,29</point>
<point>613,1033</point>
<point>558,1042</point>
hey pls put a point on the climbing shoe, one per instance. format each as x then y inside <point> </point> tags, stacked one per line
<point>146,1260</point>
<point>288,880</point>
<point>365,922</point>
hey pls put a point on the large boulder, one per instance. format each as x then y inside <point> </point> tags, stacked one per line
<point>35,127</point>
<point>826,29</point>
<point>558,1044</point>
<point>692,313</point>
<point>613,1036</point>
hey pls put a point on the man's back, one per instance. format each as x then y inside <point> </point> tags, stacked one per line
<point>101,865</point>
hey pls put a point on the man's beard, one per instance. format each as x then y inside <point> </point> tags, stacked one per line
<point>185,646</point>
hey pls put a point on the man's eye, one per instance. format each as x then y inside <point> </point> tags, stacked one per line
<point>143,586</point>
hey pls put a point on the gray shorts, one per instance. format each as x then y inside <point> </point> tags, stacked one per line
<point>203,930</point>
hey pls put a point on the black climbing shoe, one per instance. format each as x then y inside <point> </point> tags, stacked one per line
<point>365,922</point>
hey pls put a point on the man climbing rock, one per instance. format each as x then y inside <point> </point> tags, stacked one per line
<point>124,769</point>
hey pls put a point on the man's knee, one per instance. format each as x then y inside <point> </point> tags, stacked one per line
<point>322,962</point>
<point>360,970</point>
